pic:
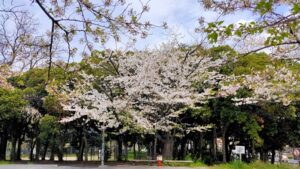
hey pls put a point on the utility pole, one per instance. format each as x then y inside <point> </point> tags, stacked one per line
<point>103,147</point>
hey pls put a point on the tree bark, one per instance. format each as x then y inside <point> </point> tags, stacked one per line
<point>214,143</point>
<point>168,147</point>
<point>182,150</point>
<point>139,151</point>
<point>134,151</point>
<point>253,153</point>
<point>3,145</point>
<point>155,146</point>
<point>86,148</point>
<point>53,148</point>
<point>19,148</point>
<point>201,146</point>
<point>60,152</point>
<point>45,149</point>
<point>224,145</point>
<point>32,145</point>
<point>126,150</point>
<point>119,155</point>
<point>38,149</point>
<point>81,149</point>
<point>13,149</point>
<point>273,156</point>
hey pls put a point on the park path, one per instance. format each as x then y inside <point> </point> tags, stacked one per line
<point>33,166</point>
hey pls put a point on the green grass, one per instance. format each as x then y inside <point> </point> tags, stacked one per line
<point>255,165</point>
<point>142,155</point>
<point>184,164</point>
<point>5,162</point>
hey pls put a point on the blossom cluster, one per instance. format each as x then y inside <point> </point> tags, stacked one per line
<point>156,85</point>
<point>274,84</point>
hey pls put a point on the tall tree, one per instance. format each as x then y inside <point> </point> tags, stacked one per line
<point>20,47</point>
<point>275,22</point>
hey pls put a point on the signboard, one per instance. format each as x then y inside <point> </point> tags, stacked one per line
<point>240,150</point>
<point>296,153</point>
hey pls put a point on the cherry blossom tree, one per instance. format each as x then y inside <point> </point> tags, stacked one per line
<point>86,101</point>
<point>155,87</point>
<point>274,84</point>
<point>161,82</point>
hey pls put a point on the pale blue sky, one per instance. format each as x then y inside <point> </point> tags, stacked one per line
<point>181,16</point>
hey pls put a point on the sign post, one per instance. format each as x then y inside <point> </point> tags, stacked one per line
<point>240,150</point>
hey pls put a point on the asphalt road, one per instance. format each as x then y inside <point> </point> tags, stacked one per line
<point>33,166</point>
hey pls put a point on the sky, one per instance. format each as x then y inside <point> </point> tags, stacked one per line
<point>181,16</point>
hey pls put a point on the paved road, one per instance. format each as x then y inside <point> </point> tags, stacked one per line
<point>29,166</point>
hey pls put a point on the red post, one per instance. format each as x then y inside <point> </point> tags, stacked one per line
<point>159,160</point>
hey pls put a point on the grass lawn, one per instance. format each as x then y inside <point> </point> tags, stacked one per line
<point>233,165</point>
<point>185,164</point>
<point>5,162</point>
<point>255,165</point>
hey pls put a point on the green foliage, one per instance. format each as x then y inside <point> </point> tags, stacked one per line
<point>251,63</point>
<point>11,104</point>
<point>264,6</point>
<point>275,28</point>
<point>49,126</point>
<point>52,105</point>
<point>296,8</point>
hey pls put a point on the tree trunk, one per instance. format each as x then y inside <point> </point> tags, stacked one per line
<point>45,149</point>
<point>38,149</point>
<point>13,149</point>
<point>116,150</point>
<point>139,151</point>
<point>155,146</point>
<point>201,146</point>
<point>119,157</point>
<point>134,151</point>
<point>168,147</point>
<point>52,155</point>
<point>150,150</point>
<point>228,150</point>
<point>81,149</point>
<point>273,156</point>
<point>264,155</point>
<point>182,150</point>
<point>126,150</point>
<point>224,145</point>
<point>19,148</point>
<point>32,145</point>
<point>195,149</point>
<point>214,143</point>
<point>86,148</point>
<point>60,152</point>
<point>253,153</point>
<point>3,145</point>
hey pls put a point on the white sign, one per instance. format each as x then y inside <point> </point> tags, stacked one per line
<point>240,150</point>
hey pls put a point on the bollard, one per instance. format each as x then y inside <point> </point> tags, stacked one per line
<point>159,159</point>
